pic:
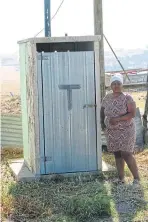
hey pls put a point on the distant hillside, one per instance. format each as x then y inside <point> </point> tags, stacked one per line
<point>130,59</point>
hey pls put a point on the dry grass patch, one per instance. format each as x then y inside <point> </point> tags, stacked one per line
<point>11,153</point>
<point>10,105</point>
<point>86,198</point>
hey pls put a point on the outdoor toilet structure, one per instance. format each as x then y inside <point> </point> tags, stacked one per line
<point>60,94</point>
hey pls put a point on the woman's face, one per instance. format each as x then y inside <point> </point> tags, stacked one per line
<point>116,86</point>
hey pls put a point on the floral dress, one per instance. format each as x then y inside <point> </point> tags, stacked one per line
<point>122,136</point>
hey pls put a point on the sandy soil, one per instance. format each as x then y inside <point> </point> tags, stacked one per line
<point>10,81</point>
<point>10,105</point>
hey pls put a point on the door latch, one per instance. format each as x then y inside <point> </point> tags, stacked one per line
<point>89,106</point>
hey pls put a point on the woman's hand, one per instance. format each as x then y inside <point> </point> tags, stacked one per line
<point>102,116</point>
<point>103,126</point>
<point>114,121</point>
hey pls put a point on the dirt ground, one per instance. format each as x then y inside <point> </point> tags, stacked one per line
<point>10,105</point>
<point>9,81</point>
<point>10,90</point>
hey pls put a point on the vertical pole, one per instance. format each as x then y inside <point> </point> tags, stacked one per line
<point>47,18</point>
<point>98,28</point>
<point>145,117</point>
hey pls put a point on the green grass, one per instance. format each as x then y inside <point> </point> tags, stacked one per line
<point>77,199</point>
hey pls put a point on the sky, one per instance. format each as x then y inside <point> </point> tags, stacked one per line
<point>124,21</point>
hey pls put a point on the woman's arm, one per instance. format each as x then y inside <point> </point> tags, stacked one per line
<point>131,112</point>
<point>102,117</point>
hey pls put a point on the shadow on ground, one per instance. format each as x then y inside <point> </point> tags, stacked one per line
<point>129,200</point>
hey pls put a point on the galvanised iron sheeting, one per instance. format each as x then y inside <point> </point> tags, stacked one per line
<point>69,126</point>
<point>11,131</point>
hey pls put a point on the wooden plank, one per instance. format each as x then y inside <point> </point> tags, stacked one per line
<point>98,102</point>
<point>23,79</point>
<point>98,28</point>
<point>30,102</point>
<point>32,107</point>
<point>41,114</point>
<point>37,151</point>
<point>89,38</point>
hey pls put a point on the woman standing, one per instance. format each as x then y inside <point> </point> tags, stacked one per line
<point>117,113</point>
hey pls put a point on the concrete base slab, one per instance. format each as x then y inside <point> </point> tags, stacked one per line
<point>107,167</point>
<point>23,173</point>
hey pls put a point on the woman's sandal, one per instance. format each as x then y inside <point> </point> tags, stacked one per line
<point>121,182</point>
<point>136,182</point>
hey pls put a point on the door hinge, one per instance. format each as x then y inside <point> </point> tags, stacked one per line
<point>89,106</point>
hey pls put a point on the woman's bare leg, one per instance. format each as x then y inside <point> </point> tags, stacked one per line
<point>131,163</point>
<point>119,164</point>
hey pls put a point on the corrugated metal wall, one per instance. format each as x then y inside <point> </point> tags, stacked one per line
<point>11,131</point>
<point>69,127</point>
